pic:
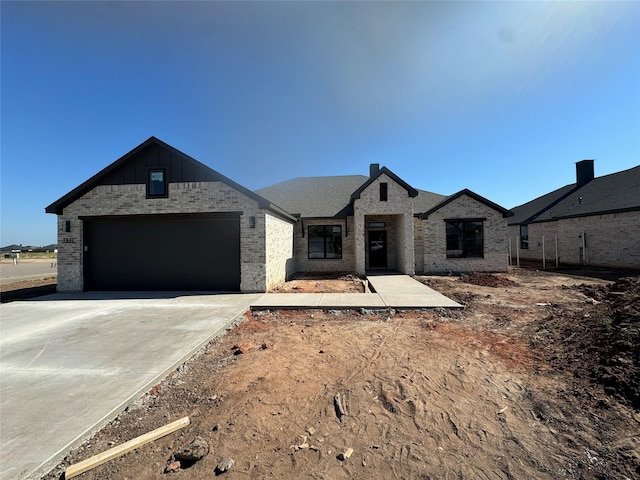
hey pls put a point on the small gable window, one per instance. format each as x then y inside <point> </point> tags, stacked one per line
<point>325,241</point>
<point>465,239</point>
<point>157,183</point>
<point>383,192</point>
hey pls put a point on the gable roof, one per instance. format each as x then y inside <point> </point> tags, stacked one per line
<point>617,192</point>
<point>182,168</point>
<point>468,193</point>
<point>384,170</point>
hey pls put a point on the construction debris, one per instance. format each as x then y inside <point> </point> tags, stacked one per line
<point>92,462</point>
<point>337,402</point>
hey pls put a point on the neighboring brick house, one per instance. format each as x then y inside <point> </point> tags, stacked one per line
<point>595,221</point>
<point>157,219</point>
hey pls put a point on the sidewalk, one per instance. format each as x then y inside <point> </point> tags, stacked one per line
<point>391,291</point>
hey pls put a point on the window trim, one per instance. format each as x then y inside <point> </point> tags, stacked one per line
<point>464,253</point>
<point>165,190</point>
<point>326,228</point>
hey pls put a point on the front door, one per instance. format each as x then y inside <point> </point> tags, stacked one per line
<point>378,249</point>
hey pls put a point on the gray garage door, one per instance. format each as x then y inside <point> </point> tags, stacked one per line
<point>164,252</point>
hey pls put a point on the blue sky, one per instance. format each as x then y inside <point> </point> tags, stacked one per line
<point>499,97</point>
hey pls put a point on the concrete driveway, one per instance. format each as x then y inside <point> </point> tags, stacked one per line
<point>71,363</point>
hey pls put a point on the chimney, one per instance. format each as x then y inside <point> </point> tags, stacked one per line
<point>584,172</point>
<point>374,168</point>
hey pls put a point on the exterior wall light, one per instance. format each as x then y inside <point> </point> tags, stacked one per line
<point>252,222</point>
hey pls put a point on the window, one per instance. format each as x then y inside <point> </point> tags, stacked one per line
<point>157,185</point>
<point>524,237</point>
<point>325,241</point>
<point>383,192</point>
<point>465,239</point>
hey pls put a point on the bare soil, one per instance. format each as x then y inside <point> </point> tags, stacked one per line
<point>24,289</point>
<point>538,377</point>
<point>322,283</point>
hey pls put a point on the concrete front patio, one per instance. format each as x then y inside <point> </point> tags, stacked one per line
<point>391,291</point>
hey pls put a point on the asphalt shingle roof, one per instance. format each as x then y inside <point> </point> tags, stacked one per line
<point>610,193</point>
<point>325,197</point>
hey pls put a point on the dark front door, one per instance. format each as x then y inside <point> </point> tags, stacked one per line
<point>190,252</point>
<point>378,249</point>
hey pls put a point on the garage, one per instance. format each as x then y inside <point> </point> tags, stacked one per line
<point>179,252</point>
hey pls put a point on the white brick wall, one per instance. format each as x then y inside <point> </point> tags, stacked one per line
<point>494,231</point>
<point>279,250</point>
<point>400,205</point>
<point>612,240</point>
<point>188,197</point>
<point>302,261</point>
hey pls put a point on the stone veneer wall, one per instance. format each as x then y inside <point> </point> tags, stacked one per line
<point>611,240</point>
<point>188,197</point>
<point>301,246</point>
<point>495,238</point>
<point>398,203</point>
<point>279,250</point>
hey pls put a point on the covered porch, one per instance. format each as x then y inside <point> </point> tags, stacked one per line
<point>384,243</point>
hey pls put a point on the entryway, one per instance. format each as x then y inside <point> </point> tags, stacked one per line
<point>377,249</point>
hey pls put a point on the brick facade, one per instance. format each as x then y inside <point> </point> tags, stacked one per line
<point>305,264</point>
<point>272,244</point>
<point>413,245</point>
<point>397,212</point>
<point>494,232</point>
<point>611,240</point>
<point>188,197</point>
<point>278,250</point>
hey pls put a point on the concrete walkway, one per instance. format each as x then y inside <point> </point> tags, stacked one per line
<point>71,363</point>
<point>395,291</point>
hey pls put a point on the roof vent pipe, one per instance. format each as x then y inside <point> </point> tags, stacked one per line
<point>584,172</point>
<point>374,168</point>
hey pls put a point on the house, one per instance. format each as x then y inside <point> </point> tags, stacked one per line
<point>157,219</point>
<point>594,221</point>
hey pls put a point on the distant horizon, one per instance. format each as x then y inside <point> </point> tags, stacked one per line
<point>502,98</point>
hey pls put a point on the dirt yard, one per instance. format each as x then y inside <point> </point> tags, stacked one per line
<point>538,377</point>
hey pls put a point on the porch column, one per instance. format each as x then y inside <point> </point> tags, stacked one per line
<point>407,245</point>
<point>359,239</point>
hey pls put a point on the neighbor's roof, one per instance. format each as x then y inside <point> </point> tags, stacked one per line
<point>617,192</point>
<point>527,212</point>
<point>327,197</point>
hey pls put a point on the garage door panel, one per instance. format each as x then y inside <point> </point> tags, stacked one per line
<point>163,254</point>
